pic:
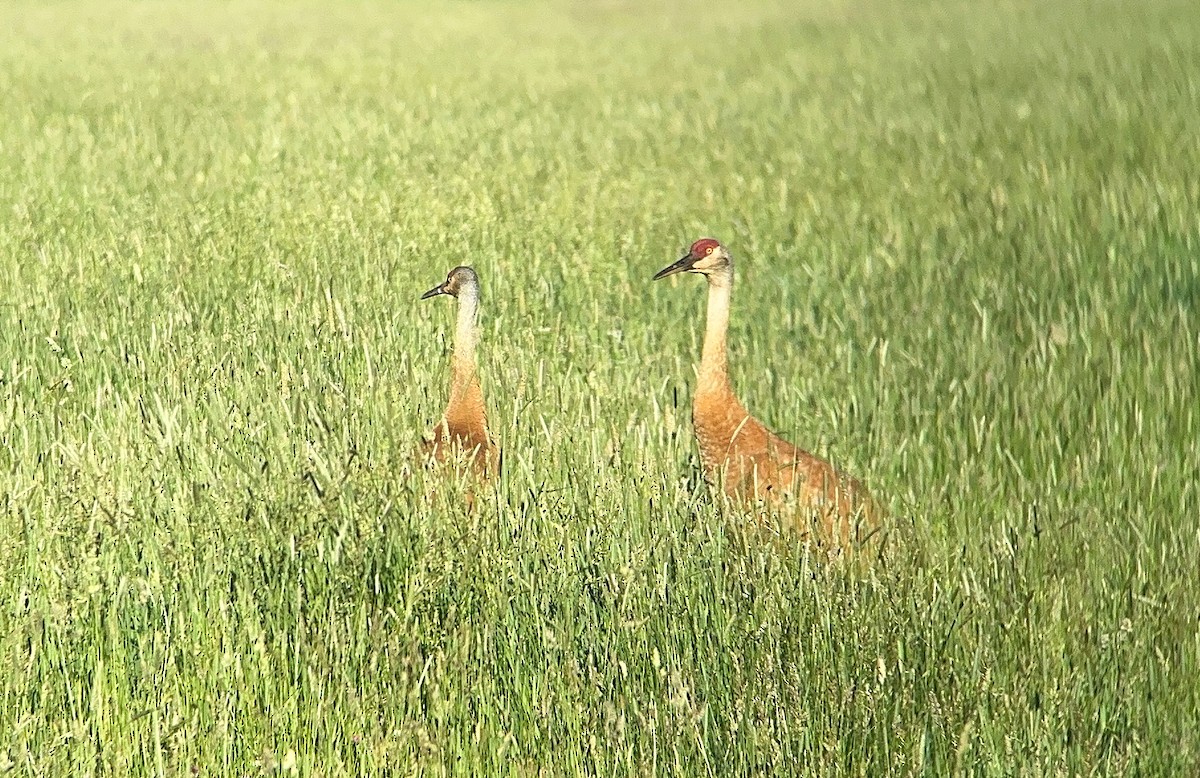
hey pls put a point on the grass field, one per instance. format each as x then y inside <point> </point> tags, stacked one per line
<point>968,239</point>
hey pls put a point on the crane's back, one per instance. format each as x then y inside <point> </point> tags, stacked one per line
<point>751,463</point>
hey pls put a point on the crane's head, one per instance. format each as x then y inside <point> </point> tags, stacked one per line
<point>459,278</point>
<point>706,257</point>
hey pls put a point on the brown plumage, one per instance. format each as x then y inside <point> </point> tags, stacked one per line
<point>741,455</point>
<point>461,437</point>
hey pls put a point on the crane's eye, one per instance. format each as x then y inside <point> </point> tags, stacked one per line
<point>708,250</point>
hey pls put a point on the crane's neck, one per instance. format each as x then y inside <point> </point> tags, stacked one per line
<point>714,369</point>
<point>466,338</point>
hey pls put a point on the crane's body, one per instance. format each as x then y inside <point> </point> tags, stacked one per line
<point>739,454</point>
<point>462,435</point>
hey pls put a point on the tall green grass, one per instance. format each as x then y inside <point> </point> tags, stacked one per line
<point>968,271</point>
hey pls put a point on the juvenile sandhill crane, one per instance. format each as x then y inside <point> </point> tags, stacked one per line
<point>462,434</point>
<point>742,455</point>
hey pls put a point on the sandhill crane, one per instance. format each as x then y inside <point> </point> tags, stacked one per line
<point>741,454</point>
<point>462,434</point>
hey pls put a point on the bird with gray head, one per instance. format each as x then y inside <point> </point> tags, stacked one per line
<point>462,434</point>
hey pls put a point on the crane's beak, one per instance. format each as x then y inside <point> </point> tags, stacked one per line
<point>435,291</point>
<point>684,264</point>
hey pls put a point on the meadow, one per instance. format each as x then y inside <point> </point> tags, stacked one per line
<point>968,247</point>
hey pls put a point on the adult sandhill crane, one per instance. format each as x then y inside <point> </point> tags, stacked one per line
<point>462,434</point>
<point>742,455</point>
